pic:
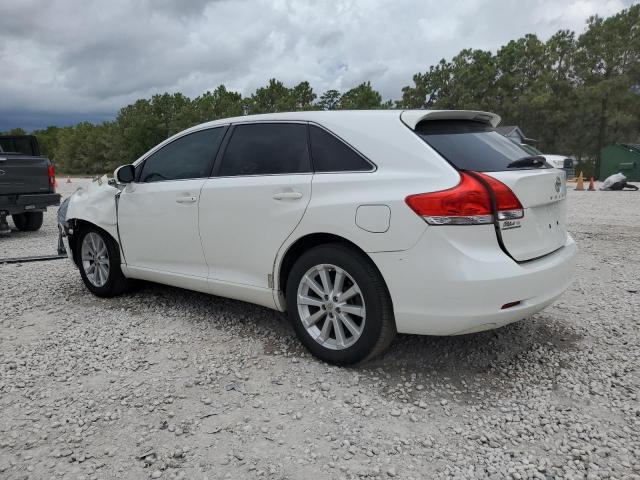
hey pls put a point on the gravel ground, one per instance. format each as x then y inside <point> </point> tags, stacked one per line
<point>165,383</point>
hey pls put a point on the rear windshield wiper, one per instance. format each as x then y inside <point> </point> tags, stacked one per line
<point>535,161</point>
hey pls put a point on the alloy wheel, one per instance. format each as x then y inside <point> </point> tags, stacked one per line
<point>95,259</point>
<point>331,306</point>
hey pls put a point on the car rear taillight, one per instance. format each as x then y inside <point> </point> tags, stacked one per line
<point>52,178</point>
<point>507,204</point>
<point>468,203</point>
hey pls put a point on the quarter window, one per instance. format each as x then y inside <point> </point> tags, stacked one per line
<point>266,149</point>
<point>187,157</point>
<point>330,154</point>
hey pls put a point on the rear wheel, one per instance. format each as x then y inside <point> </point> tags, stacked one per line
<point>99,263</point>
<point>339,305</point>
<point>28,221</point>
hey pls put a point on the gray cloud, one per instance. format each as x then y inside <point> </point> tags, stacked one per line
<point>74,57</point>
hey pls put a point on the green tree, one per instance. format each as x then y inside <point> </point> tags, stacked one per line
<point>302,97</point>
<point>15,131</point>
<point>555,123</point>
<point>48,141</point>
<point>428,87</point>
<point>329,100</point>
<point>275,97</point>
<point>221,103</point>
<point>607,64</point>
<point>83,149</point>
<point>469,81</point>
<point>146,123</point>
<point>362,97</point>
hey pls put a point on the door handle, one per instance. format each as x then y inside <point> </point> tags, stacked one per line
<point>287,195</point>
<point>186,199</point>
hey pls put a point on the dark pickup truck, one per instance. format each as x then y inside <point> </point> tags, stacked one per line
<point>27,183</point>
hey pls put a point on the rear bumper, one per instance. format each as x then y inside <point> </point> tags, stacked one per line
<point>28,203</point>
<point>456,280</point>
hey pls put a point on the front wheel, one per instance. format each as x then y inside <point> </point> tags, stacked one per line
<point>339,305</point>
<point>99,263</point>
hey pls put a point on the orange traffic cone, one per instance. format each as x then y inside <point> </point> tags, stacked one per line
<point>592,187</point>
<point>580,183</point>
<point>68,179</point>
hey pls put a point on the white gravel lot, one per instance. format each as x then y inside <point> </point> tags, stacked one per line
<point>166,383</point>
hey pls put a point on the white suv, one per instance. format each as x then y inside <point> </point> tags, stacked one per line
<point>359,224</point>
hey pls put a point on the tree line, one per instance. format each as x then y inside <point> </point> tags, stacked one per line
<point>573,94</point>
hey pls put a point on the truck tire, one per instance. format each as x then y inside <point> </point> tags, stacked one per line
<point>28,221</point>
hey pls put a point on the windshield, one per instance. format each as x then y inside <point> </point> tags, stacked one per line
<point>471,145</point>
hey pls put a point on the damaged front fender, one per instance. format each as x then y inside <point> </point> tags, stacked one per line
<point>96,204</point>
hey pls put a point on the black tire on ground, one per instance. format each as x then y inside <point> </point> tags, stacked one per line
<point>28,221</point>
<point>379,327</point>
<point>116,283</point>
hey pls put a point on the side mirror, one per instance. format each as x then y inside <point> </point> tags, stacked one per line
<point>125,174</point>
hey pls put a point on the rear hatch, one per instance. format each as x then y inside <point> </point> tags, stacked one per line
<point>542,229</point>
<point>21,174</point>
<point>472,145</point>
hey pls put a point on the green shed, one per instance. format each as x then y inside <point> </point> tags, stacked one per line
<point>623,158</point>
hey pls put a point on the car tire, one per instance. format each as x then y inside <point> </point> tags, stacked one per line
<point>98,259</point>
<point>339,305</point>
<point>28,221</point>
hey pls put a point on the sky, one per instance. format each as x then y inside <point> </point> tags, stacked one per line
<point>64,61</point>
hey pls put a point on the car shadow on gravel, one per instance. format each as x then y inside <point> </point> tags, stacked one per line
<point>459,360</point>
<point>492,358</point>
<point>478,351</point>
<point>245,320</point>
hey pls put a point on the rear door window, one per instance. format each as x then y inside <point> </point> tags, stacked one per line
<point>330,154</point>
<point>266,149</point>
<point>471,145</point>
<point>190,156</point>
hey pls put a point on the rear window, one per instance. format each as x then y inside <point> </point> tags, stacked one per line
<point>471,145</point>
<point>23,145</point>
